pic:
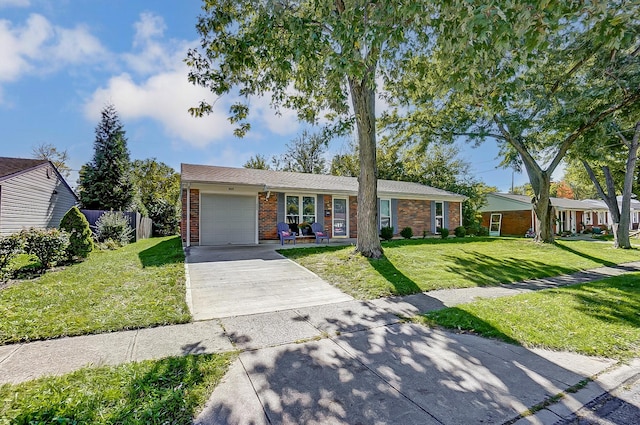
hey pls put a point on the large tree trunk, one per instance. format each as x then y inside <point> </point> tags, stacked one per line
<point>609,198</point>
<point>363,99</point>
<point>545,218</point>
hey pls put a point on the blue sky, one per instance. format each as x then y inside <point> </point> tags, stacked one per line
<point>61,61</point>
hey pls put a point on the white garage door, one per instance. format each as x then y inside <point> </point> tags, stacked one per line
<point>227,219</point>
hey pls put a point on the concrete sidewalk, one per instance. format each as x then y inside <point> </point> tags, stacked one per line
<point>355,361</point>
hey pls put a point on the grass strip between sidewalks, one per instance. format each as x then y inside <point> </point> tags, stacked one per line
<point>419,265</point>
<point>139,285</point>
<point>172,390</point>
<point>598,319</point>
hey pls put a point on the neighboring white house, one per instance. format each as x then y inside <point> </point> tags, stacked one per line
<point>32,194</point>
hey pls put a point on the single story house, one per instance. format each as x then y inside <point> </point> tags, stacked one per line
<point>32,194</point>
<point>509,214</point>
<point>222,205</point>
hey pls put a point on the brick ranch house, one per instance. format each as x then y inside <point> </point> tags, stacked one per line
<point>513,215</point>
<point>222,205</point>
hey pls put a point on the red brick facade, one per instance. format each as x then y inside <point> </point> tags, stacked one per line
<point>267,216</point>
<point>514,223</point>
<point>194,221</point>
<point>413,213</point>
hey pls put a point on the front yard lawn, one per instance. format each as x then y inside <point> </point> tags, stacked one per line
<point>423,265</point>
<point>600,318</point>
<point>172,390</point>
<point>137,286</point>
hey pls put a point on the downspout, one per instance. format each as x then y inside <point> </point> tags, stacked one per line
<point>188,231</point>
<point>461,213</point>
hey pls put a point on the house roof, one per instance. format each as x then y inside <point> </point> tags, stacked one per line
<point>11,166</point>
<point>563,203</point>
<point>289,181</point>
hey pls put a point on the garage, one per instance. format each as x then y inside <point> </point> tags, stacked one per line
<point>227,219</point>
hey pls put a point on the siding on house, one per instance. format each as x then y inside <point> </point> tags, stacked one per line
<point>35,198</point>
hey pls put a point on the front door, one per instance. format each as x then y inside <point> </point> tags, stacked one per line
<point>340,217</point>
<point>495,224</point>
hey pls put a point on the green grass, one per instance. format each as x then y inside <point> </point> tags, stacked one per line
<point>422,265</point>
<point>600,318</point>
<point>137,286</point>
<point>171,390</point>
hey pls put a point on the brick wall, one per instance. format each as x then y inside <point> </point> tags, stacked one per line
<point>353,217</point>
<point>326,220</point>
<point>194,219</point>
<point>267,216</point>
<point>514,223</point>
<point>415,214</point>
<point>454,215</point>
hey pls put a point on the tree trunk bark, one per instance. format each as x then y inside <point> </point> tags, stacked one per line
<point>363,99</point>
<point>609,198</point>
<point>622,233</point>
<point>540,182</point>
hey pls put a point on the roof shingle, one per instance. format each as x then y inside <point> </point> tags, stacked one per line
<point>284,180</point>
<point>10,166</point>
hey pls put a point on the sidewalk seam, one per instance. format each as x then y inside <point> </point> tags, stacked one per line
<point>11,354</point>
<point>255,392</point>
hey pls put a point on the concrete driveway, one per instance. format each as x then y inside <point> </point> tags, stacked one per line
<point>241,280</point>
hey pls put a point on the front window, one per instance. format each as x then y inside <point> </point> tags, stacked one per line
<point>295,214</point>
<point>439,216</point>
<point>587,218</point>
<point>385,213</point>
<point>602,217</point>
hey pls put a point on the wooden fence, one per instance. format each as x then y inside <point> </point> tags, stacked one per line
<point>142,226</point>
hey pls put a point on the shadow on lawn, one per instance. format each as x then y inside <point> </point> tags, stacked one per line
<point>484,270</point>
<point>402,284</point>
<point>583,255</point>
<point>621,303</point>
<point>162,253</point>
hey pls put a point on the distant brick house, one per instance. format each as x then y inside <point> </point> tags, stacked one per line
<point>222,205</point>
<point>513,215</point>
<point>32,194</point>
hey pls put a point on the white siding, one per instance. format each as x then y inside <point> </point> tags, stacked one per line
<point>28,200</point>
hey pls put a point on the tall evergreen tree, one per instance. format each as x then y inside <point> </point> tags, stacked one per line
<point>104,182</point>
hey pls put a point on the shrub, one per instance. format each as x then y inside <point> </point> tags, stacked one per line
<point>10,246</point>
<point>48,245</point>
<point>165,218</point>
<point>424,233</point>
<point>80,242</point>
<point>460,232</point>
<point>114,225</point>
<point>407,233</point>
<point>444,233</point>
<point>483,231</point>
<point>386,233</point>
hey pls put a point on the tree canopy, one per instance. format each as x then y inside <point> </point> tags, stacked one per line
<point>320,58</point>
<point>534,76</point>
<point>49,152</point>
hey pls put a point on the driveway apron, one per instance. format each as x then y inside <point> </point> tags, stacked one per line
<point>241,280</point>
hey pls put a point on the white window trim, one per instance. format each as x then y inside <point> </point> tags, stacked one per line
<point>333,216</point>
<point>301,197</point>
<point>390,214</point>
<point>436,216</point>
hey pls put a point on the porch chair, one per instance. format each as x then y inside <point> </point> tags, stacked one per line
<point>318,230</point>
<point>285,233</point>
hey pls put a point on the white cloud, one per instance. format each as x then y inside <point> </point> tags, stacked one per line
<point>38,47</point>
<point>14,3</point>
<point>166,98</point>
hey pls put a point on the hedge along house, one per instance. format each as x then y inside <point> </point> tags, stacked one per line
<point>222,205</point>
<point>508,214</point>
<point>32,194</point>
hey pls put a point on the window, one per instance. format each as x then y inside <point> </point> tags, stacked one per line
<point>602,217</point>
<point>297,215</point>
<point>439,216</point>
<point>586,217</point>
<point>385,213</point>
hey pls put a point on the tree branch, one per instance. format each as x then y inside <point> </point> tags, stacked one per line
<point>566,144</point>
